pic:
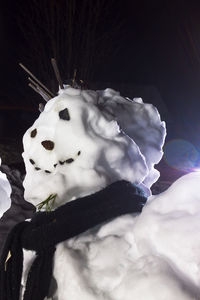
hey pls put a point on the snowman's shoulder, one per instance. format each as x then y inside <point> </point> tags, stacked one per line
<point>97,259</point>
<point>102,245</point>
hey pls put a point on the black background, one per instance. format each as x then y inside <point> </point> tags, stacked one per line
<point>160,46</point>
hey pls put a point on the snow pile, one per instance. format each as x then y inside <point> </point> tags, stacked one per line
<point>5,191</point>
<point>154,255</point>
<point>76,147</point>
<point>141,122</point>
<point>19,209</point>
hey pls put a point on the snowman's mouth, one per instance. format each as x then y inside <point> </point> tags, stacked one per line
<point>60,162</point>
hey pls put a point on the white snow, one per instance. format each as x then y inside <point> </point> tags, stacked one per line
<point>5,191</point>
<point>154,255</point>
<point>141,122</point>
<point>106,154</point>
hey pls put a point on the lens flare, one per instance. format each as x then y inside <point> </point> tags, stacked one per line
<point>182,155</point>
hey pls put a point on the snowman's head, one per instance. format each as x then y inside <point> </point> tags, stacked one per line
<point>73,150</point>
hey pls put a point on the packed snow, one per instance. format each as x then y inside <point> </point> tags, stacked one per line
<point>5,192</point>
<point>20,209</point>
<point>141,122</point>
<point>82,142</point>
<point>153,255</point>
<point>76,146</point>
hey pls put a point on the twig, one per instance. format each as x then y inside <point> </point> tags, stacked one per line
<point>42,92</point>
<point>38,91</point>
<point>57,73</point>
<point>48,203</point>
<point>35,78</point>
<point>74,78</point>
<point>7,259</point>
<point>33,87</point>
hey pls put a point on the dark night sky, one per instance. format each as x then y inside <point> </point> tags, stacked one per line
<point>160,46</point>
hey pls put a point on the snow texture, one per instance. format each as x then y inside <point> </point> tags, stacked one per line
<point>76,146</point>
<point>5,191</point>
<point>141,122</point>
<point>153,255</point>
<point>19,209</point>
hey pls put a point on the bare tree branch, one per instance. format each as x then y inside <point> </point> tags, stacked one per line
<point>78,34</point>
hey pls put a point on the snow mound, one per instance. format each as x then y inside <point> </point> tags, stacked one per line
<point>171,223</point>
<point>5,192</point>
<point>141,122</point>
<point>154,255</point>
<point>76,147</point>
<point>19,210</point>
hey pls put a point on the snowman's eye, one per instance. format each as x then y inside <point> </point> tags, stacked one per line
<point>32,161</point>
<point>33,133</point>
<point>64,114</point>
<point>48,145</point>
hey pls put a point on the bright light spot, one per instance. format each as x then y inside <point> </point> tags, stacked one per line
<point>195,170</point>
<point>182,155</point>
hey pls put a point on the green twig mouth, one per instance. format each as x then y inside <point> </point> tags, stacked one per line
<point>48,203</point>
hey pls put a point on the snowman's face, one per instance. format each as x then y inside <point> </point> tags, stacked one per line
<point>54,138</point>
<point>72,145</point>
<point>67,129</point>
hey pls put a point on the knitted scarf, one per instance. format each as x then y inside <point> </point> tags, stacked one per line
<point>47,229</point>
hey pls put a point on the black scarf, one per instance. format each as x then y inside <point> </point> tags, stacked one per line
<point>47,229</point>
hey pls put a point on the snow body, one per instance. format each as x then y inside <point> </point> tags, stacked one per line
<point>5,192</point>
<point>153,255</point>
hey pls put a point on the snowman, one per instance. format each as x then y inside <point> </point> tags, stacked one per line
<point>89,161</point>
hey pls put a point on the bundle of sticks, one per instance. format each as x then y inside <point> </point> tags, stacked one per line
<point>39,87</point>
